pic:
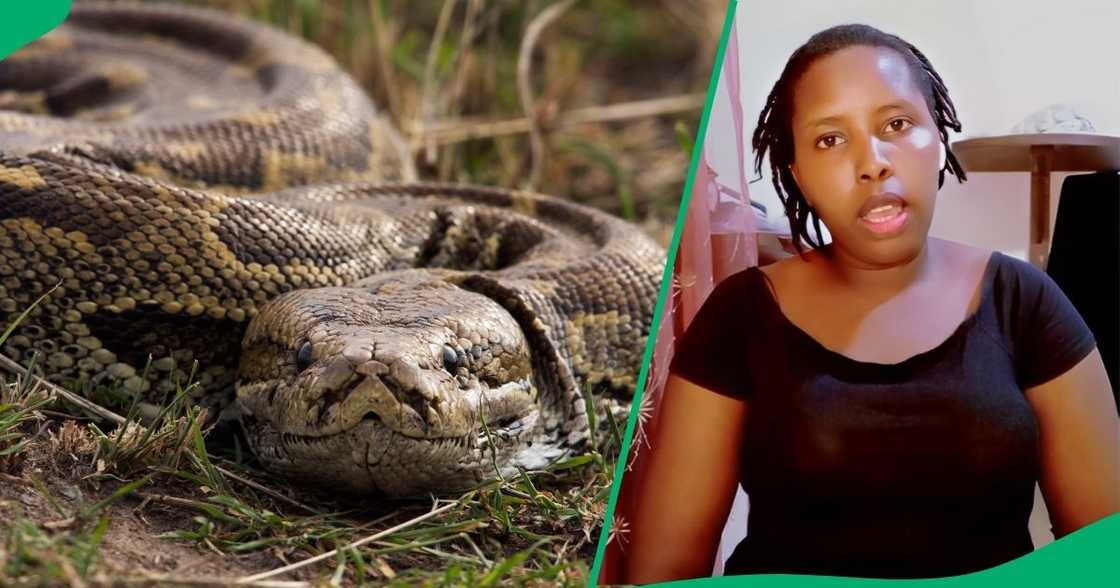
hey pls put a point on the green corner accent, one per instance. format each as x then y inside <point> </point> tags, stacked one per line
<point>1086,558</point>
<point>662,295</point>
<point>25,21</point>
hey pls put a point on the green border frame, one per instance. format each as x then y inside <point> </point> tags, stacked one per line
<point>1088,557</point>
<point>662,294</point>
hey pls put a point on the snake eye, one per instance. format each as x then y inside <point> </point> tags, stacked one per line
<point>450,359</point>
<point>303,356</point>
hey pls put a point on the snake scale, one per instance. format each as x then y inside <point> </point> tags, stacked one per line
<point>223,198</point>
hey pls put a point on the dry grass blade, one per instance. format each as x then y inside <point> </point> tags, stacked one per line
<point>14,479</point>
<point>688,13</point>
<point>385,39</point>
<point>173,580</point>
<point>524,83</point>
<point>265,490</point>
<point>427,110</point>
<point>454,131</point>
<point>100,411</point>
<point>354,545</point>
<point>453,98</point>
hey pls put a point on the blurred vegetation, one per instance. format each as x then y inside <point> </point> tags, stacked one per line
<point>446,70</point>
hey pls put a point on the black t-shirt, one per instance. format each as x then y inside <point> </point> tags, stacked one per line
<point>920,468</point>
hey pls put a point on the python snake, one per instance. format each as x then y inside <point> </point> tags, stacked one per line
<point>211,192</point>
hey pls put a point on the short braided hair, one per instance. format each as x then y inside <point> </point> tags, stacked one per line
<point>774,133</point>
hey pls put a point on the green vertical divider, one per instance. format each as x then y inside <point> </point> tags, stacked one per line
<point>662,294</point>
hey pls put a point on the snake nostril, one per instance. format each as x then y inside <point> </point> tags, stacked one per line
<point>303,356</point>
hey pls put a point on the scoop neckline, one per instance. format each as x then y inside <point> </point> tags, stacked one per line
<point>986,292</point>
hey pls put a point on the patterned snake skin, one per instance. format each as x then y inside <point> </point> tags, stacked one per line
<point>224,199</point>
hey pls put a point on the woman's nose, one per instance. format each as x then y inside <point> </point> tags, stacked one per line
<point>873,164</point>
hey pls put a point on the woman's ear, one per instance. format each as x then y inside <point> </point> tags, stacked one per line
<point>941,155</point>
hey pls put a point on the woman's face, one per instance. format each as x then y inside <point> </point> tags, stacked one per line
<point>866,153</point>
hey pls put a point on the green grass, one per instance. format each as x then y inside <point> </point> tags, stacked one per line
<point>536,527</point>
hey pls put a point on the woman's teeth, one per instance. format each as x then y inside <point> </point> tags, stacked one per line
<point>886,220</point>
<point>883,213</point>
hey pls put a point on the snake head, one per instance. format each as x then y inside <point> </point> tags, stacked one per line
<point>394,388</point>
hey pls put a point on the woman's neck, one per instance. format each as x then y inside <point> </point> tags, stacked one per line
<point>856,274</point>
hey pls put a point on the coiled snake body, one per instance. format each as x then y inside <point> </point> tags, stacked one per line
<point>202,189</point>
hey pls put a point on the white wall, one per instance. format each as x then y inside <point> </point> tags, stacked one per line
<point>1001,61</point>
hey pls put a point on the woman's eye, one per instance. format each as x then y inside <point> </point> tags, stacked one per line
<point>829,141</point>
<point>899,124</point>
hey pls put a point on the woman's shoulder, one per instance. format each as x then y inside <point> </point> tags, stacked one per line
<point>1016,280</point>
<point>789,264</point>
<point>999,270</point>
<point>735,298</point>
<point>956,255</point>
<point>1013,283</point>
<point>742,281</point>
<point>1045,332</point>
<point>789,273</point>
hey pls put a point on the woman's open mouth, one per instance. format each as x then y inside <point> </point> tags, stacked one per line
<point>886,219</point>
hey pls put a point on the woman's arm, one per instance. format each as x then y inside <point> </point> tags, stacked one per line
<point>689,485</point>
<point>1079,444</point>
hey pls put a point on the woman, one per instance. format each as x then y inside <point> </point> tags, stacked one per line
<point>888,400</point>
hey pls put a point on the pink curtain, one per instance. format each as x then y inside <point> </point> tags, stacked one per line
<point>719,239</point>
